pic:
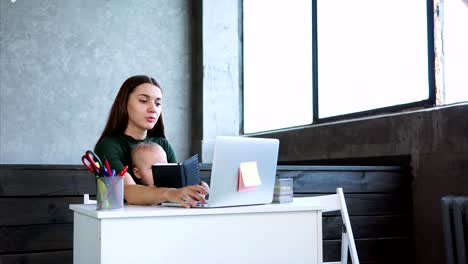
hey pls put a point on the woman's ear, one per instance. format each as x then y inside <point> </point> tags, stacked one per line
<point>136,172</point>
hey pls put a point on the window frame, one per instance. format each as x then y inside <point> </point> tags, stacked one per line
<point>426,103</point>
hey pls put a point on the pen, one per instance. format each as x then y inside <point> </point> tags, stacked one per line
<point>108,168</point>
<point>124,170</point>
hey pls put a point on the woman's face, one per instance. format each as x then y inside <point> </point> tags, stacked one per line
<point>144,107</point>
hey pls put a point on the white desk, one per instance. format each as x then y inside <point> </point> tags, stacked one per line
<point>273,233</point>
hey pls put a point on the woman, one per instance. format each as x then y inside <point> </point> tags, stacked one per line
<point>136,117</point>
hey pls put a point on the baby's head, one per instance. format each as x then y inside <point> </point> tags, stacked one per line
<point>144,155</point>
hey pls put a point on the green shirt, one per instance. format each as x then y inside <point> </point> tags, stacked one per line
<point>117,150</point>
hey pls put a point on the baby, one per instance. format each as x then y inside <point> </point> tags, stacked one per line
<point>144,155</point>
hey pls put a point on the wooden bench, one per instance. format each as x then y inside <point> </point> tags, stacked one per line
<point>36,225</point>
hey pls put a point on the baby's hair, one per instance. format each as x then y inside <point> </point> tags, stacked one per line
<point>144,146</point>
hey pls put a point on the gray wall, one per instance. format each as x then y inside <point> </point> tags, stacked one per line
<point>62,63</point>
<point>221,72</point>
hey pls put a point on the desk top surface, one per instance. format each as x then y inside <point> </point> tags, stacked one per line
<point>299,204</point>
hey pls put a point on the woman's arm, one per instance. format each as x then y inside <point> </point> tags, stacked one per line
<point>145,195</point>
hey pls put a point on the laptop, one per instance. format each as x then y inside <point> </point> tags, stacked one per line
<point>229,153</point>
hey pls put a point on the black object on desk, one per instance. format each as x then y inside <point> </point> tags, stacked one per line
<point>177,175</point>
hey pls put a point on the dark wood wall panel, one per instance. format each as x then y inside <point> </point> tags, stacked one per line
<point>325,179</point>
<point>373,204</point>
<point>45,181</point>
<point>56,257</point>
<point>36,225</point>
<point>36,210</point>
<point>385,250</point>
<point>351,182</point>
<point>367,227</point>
<point>36,238</point>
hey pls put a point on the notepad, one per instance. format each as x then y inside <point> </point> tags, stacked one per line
<point>177,175</point>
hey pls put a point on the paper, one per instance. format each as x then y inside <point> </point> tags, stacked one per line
<point>248,178</point>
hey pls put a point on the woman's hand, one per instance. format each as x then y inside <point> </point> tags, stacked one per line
<point>207,188</point>
<point>188,196</point>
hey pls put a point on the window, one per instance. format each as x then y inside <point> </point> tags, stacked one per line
<point>371,54</point>
<point>277,60</point>
<point>311,61</point>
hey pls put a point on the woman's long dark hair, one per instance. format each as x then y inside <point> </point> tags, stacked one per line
<point>118,117</point>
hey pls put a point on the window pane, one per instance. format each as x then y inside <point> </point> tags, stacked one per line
<point>371,54</point>
<point>277,64</point>
<point>456,50</point>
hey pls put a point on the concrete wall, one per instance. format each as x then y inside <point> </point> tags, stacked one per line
<point>221,72</point>
<point>62,63</point>
<point>436,140</point>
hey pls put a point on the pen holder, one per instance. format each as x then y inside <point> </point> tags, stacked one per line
<point>283,192</point>
<point>110,191</point>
